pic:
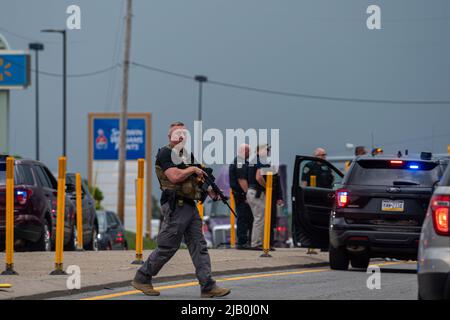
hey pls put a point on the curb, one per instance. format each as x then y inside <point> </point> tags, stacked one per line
<point>113,285</point>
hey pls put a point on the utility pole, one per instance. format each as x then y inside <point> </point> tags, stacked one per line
<point>201,79</point>
<point>124,114</point>
<point>36,46</point>
<point>64,37</point>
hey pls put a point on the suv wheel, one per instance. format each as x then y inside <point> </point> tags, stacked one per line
<point>72,244</point>
<point>45,241</point>
<point>93,244</point>
<point>360,261</point>
<point>338,258</point>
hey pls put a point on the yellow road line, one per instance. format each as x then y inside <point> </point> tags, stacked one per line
<point>255,276</point>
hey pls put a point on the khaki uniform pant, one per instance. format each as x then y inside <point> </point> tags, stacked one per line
<point>257,206</point>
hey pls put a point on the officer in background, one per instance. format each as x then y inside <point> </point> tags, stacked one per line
<point>359,151</point>
<point>277,192</point>
<point>256,196</point>
<point>180,190</point>
<point>238,172</point>
<point>323,174</point>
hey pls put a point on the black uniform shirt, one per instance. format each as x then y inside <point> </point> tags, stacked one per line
<point>238,171</point>
<point>165,161</point>
<point>324,176</point>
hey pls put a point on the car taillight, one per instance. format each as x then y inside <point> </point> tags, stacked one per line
<point>341,198</point>
<point>22,195</point>
<point>440,205</point>
<point>281,229</point>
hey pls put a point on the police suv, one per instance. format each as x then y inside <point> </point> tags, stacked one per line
<point>375,210</point>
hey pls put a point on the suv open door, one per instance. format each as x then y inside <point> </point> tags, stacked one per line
<point>314,183</point>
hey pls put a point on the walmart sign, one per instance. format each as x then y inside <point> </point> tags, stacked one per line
<point>14,70</point>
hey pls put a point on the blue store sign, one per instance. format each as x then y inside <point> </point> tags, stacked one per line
<point>106,139</point>
<point>14,70</point>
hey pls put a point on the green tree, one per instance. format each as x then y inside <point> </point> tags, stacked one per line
<point>97,194</point>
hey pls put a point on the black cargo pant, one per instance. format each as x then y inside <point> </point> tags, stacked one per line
<point>183,221</point>
<point>244,221</point>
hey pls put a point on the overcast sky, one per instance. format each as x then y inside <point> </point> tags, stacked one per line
<point>316,47</point>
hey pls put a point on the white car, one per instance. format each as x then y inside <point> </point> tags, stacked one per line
<point>434,247</point>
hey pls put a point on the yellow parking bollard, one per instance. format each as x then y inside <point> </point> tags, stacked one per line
<point>60,212</point>
<point>232,221</point>
<point>79,212</point>
<point>313,181</point>
<point>139,212</point>
<point>267,215</point>
<point>9,241</point>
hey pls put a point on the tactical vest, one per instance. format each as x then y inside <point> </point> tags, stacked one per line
<point>189,188</point>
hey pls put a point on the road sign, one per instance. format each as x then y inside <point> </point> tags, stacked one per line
<point>103,161</point>
<point>106,139</point>
<point>14,69</point>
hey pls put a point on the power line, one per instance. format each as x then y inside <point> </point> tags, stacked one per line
<point>29,39</point>
<point>170,73</point>
<point>110,93</point>
<point>292,94</point>
<point>80,75</point>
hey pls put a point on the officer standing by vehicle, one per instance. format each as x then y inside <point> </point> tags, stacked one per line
<point>238,174</point>
<point>323,174</point>
<point>180,190</point>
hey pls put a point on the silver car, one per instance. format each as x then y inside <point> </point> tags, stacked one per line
<point>434,248</point>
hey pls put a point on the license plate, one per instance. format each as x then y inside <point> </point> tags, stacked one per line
<point>393,205</point>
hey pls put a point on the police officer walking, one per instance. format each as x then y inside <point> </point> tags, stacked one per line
<point>238,174</point>
<point>180,190</point>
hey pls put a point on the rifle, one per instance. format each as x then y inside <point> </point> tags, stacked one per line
<point>208,181</point>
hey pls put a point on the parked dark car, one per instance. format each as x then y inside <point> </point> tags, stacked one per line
<point>90,225</point>
<point>376,210</point>
<point>35,207</point>
<point>111,234</point>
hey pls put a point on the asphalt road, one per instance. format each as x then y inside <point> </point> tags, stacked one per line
<point>398,282</point>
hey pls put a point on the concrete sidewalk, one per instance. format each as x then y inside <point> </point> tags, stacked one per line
<point>109,269</point>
